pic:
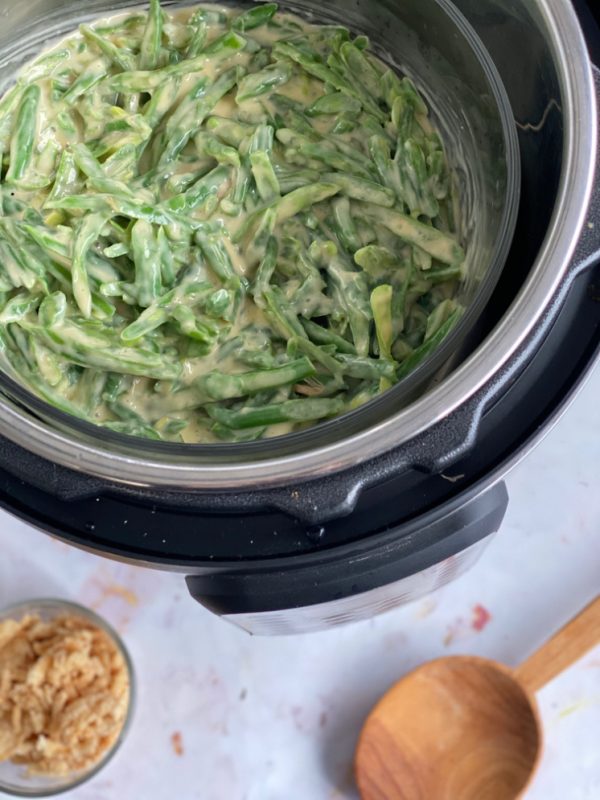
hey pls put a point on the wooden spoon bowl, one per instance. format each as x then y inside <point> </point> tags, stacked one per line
<point>421,744</point>
<point>465,728</point>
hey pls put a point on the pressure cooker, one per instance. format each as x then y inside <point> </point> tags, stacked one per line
<point>360,515</point>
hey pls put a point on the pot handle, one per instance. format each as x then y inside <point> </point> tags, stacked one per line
<point>328,588</point>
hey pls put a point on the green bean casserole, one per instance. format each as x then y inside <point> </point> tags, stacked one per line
<point>220,224</point>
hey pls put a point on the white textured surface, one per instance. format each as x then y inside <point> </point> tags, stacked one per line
<point>277,719</point>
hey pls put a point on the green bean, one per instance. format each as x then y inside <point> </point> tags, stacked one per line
<point>259,153</point>
<point>122,26</point>
<point>136,81</point>
<point>376,261</point>
<point>313,66</point>
<point>301,149</point>
<point>381,303</point>
<point>367,369</point>
<point>97,178</point>
<point>291,179</point>
<point>412,165</point>
<point>152,39</point>
<point>360,189</point>
<point>122,60</point>
<point>88,231</point>
<point>73,342</point>
<point>210,16</point>
<point>344,224</point>
<point>167,262</point>
<point>46,65</point>
<point>232,132</point>
<point>122,163</point>
<point>67,125</point>
<point>65,180</point>
<point>291,114</point>
<point>214,148</point>
<point>233,205</point>
<point>148,265</point>
<point>19,307</point>
<point>161,102</point>
<point>53,310</point>
<point>22,368</point>
<point>263,82</point>
<point>220,386</point>
<point>257,248</point>
<point>201,330</point>
<point>265,177</point>
<point>281,315</point>
<point>112,204</point>
<point>444,274</point>
<point>218,258</point>
<point>226,45</point>
<point>362,68</point>
<point>301,199</point>
<point>190,115</point>
<point>131,428</point>
<point>226,434</point>
<point>96,71</point>
<point>54,255</point>
<point>265,271</point>
<point>439,317</point>
<point>438,244</point>
<point>421,353</point>
<point>289,411</point>
<point>60,250</point>
<point>317,354</point>
<point>335,103</point>
<point>255,17</point>
<point>21,149</point>
<point>162,309</point>
<point>51,367</point>
<point>198,40</point>
<point>325,336</point>
<point>21,271</point>
<point>205,188</point>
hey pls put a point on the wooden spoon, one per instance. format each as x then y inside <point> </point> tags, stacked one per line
<point>465,728</point>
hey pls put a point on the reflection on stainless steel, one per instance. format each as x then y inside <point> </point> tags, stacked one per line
<point>430,39</point>
<point>537,127</point>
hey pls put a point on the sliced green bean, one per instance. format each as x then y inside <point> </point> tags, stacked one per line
<point>265,271</point>
<point>87,233</point>
<point>24,136</point>
<point>123,60</point>
<point>381,303</point>
<point>263,82</point>
<point>290,411</point>
<point>255,17</point>
<point>96,71</point>
<point>148,264</point>
<point>152,39</point>
<point>220,386</point>
<point>438,244</point>
<point>421,353</point>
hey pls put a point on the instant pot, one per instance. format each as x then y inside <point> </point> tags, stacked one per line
<point>379,508</point>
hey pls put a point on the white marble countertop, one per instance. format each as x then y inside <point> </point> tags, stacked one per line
<point>222,716</point>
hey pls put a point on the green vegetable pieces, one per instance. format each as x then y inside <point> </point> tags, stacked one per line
<point>219,225</point>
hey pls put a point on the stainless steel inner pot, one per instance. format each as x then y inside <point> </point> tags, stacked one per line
<point>431,41</point>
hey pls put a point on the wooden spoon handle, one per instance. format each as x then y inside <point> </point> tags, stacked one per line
<point>564,649</point>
